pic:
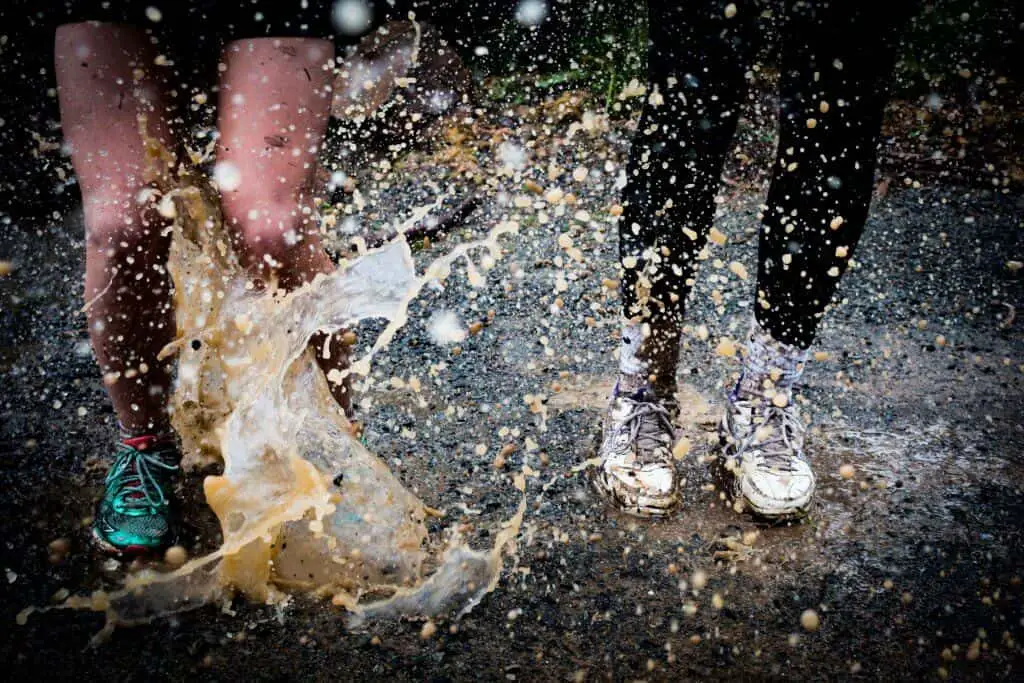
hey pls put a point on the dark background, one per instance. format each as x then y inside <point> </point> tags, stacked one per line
<point>963,51</point>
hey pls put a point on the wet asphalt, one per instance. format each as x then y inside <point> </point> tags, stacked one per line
<point>913,565</point>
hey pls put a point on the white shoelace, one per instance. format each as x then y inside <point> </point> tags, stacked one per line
<point>650,427</point>
<point>785,439</point>
<point>764,358</point>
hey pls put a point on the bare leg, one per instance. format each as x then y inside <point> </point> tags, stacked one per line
<point>274,106</point>
<point>106,78</point>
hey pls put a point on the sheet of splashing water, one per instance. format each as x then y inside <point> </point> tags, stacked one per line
<point>250,393</point>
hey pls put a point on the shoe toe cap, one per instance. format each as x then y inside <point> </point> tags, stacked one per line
<point>652,480</point>
<point>647,491</point>
<point>780,493</point>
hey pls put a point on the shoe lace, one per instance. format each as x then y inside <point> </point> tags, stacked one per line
<point>764,359</point>
<point>648,423</point>
<point>781,443</point>
<point>136,475</point>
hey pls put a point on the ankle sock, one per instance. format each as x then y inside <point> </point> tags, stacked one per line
<point>646,352</point>
<point>766,357</point>
<point>157,435</point>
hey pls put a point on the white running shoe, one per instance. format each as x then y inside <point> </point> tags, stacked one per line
<point>636,473</point>
<point>762,460</point>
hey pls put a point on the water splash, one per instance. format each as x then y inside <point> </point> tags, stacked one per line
<point>302,504</point>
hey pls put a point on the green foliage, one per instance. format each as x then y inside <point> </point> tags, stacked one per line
<point>953,46</point>
<point>595,45</point>
<point>613,49</point>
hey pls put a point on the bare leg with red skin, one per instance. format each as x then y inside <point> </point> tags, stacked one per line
<point>274,106</point>
<point>273,120</point>
<point>106,78</point>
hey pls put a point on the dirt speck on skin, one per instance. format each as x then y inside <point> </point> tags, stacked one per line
<point>910,561</point>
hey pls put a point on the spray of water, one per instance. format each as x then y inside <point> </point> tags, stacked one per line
<point>302,504</point>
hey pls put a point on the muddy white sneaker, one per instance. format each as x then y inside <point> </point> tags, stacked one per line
<point>636,473</point>
<point>762,461</point>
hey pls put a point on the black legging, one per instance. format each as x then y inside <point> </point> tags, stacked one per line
<point>835,60</point>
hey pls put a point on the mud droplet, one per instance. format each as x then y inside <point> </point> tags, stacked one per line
<point>810,620</point>
<point>428,630</point>
<point>175,556</point>
<point>681,449</point>
<point>739,270</point>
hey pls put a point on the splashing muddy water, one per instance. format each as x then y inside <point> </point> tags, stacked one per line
<point>301,503</point>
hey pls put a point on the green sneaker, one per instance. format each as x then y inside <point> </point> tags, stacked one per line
<point>135,515</point>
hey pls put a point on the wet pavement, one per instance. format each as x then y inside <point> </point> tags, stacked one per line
<point>912,564</point>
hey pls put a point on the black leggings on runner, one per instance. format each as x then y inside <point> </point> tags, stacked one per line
<point>836,58</point>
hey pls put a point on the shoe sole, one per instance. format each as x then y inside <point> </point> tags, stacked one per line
<point>644,512</point>
<point>774,518</point>
<point>129,552</point>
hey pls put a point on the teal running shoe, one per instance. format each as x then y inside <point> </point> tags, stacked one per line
<point>135,515</point>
